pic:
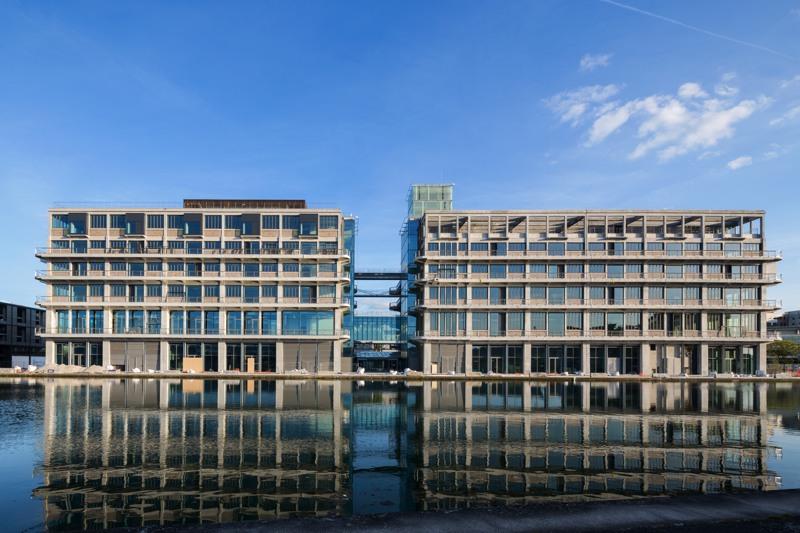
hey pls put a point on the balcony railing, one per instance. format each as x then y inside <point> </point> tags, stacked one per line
<point>599,276</point>
<point>271,252</point>
<point>604,302</point>
<point>612,254</point>
<point>605,333</point>
<point>184,331</point>
<point>271,300</point>
<point>172,274</point>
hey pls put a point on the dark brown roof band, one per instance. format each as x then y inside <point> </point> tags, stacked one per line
<point>243,204</point>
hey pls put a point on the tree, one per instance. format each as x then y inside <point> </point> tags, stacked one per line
<point>783,352</point>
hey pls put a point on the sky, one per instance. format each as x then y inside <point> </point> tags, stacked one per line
<point>543,104</point>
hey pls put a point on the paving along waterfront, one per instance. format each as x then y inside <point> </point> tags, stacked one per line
<point>82,454</point>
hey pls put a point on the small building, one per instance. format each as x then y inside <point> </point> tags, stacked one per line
<point>376,342</point>
<point>19,342</point>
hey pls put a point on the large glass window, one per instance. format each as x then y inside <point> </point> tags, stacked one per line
<point>234,323</point>
<point>555,324</point>
<point>307,323</point>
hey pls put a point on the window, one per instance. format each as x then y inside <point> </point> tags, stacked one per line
<point>479,246</point>
<point>328,222</point>
<point>480,321</point>
<point>270,221</point>
<point>498,271</point>
<point>233,291</point>
<point>155,221</point>
<point>538,293</point>
<point>97,244</point>
<point>175,221</point>
<point>575,322</point>
<point>538,321</point>
<point>616,271</point>
<point>555,324</point>
<point>515,321</point>
<point>60,221</point>
<point>213,221</point>
<point>211,291</point>
<point>154,291</point>
<point>98,221</point>
<point>269,323</point>
<point>555,248</point>
<point>118,221</point>
<point>307,322</point>
<point>291,222</point>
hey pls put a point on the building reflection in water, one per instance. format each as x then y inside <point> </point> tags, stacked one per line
<point>152,451</point>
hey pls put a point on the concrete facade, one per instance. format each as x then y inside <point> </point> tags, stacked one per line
<point>629,292</point>
<point>259,285</point>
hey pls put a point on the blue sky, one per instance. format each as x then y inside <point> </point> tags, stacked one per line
<point>539,104</point>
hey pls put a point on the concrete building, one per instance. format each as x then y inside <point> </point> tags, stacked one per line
<point>787,326</point>
<point>629,292</point>
<point>251,285</point>
<point>18,337</point>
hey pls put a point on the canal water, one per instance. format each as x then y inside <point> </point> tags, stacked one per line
<point>91,454</point>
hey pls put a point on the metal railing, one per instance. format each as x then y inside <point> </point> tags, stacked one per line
<point>274,300</point>
<point>280,252</point>
<point>598,276</point>
<point>184,331</point>
<point>595,254</point>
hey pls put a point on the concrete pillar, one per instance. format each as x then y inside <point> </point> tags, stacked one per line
<point>163,356</point>
<point>585,357</point>
<point>222,353</point>
<point>761,356</point>
<point>526,361</point>
<point>586,403</point>
<point>468,357</point>
<point>703,359</point>
<point>645,359</point>
<point>49,352</point>
<point>106,353</point>
<point>278,359</point>
<point>337,356</point>
<point>426,358</point>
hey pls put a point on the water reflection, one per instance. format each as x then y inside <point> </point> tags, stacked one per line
<point>142,452</point>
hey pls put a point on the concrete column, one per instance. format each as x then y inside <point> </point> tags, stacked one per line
<point>645,359</point>
<point>49,352</point>
<point>163,355</point>
<point>585,357</point>
<point>468,357</point>
<point>222,353</point>
<point>278,359</point>
<point>106,353</point>
<point>526,360</point>
<point>703,359</point>
<point>761,356</point>
<point>426,358</point>
<point>337,356</point>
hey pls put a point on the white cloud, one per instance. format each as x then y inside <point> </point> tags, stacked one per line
<point>740,162</point>
<point>589,62</point>
<point>667,125</point>
<point>709,154</point>
<point>789,115</point>
<point>691,90</point>
<point>775,150</point>
<point>571,106</point>
<point>785,84</point>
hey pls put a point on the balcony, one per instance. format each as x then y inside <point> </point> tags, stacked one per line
<point>609,254</point>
